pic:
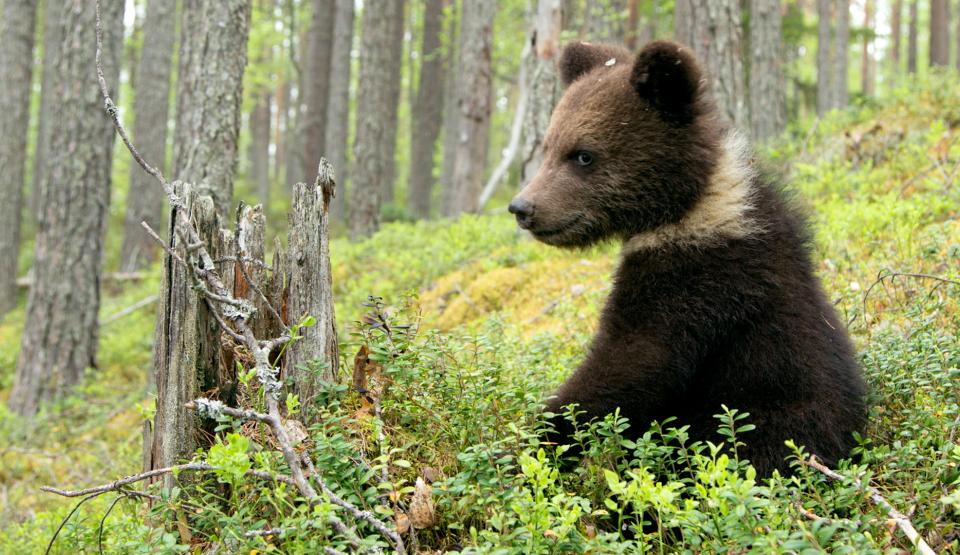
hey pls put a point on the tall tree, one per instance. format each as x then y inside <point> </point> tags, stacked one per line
<point>716,39</point>
<point>866,59</point>
<point>841,81</point>
<point>318,86</point>
<point>394,78</point>
<point>474,104</point>
<point>939,33</point>
<point>451,121</point>
<point>16,68</point>
<point>683,22</point>
<point>213,55</point>
<point>374,106</point>
<point>52,39</point>
<point>60,335</point>
<point>912,38</point>
<point>896,33</point>
<point>825,89</point>
<point>259,154</point>
<point>543,84</point>
<point>338,108</point>
<point>427,110</point>
<point>151,110</point>
<point>767,89</point>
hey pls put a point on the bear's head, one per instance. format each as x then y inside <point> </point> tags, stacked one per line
<point>631,147</point>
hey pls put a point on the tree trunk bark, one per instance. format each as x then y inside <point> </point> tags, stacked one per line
<point>338,110</point>
<point>683,22</point>
<point>767,88</point>
<point>717,42</point>
<point>16,67</point>
<point>260,147</point>
<point>841,81</point>
<point>912,39</point>
<point>60,335</point>
<point>373,112</point>
<point>151,111</point>
<point>314,358</point>
<point>213,54</point>
<point>543,85</point>
<point>187,357</point>
<point>427,111</point>
<point>939,33</point>
<point>824,57</point>
<point>318,86</point>
<point>474,105</point>
<point>389,134</point>
<point>451,120</point>
<point>52,39</point>
<point>866,60</point>
<point>896,33</point>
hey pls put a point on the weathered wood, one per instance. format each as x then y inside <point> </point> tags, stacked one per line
<point>310,289</point>
<point>187,344</point>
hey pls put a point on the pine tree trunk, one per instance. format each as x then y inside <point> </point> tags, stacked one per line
<point>824,57</point>
<point>683,22</point>
<point>912,39</point>
<point>841,81</point>
<point>151,111</point>
<point>451,120</point>
<point>474,104</point>
<point>52,42</point>
<point>896,33</point>
<point>260,147</point>
<point>373,111</point>
<point>543,85</point>
<point>389,135</point>
<point>16,68</point>
<point>767,88</point>
<point>939,33</point>
<point>427,111</point>
<point>718,44</point>
<point>866,60</point>
<point>280,98</point>
<point>60,335</point>
<point>318,86</point>
<point>338,110</point>
<point>213,54</point>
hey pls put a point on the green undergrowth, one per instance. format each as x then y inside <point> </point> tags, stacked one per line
<point>482,322</point>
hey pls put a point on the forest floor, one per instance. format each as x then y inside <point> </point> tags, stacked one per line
<point>496,319</point>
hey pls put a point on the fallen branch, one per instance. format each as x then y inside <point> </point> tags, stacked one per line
<point>130,309</point>
<point>901,520</point>
<point>119,277</point>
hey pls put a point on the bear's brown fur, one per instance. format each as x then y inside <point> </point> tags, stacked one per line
<point>715,300</point>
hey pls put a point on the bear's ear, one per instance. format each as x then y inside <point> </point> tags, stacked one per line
<point>579,58</point>
<point>667,76</point>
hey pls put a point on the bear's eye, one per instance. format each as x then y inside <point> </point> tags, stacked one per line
<point>582,158</point>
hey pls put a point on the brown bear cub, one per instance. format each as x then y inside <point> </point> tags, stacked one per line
<point>715,300</point>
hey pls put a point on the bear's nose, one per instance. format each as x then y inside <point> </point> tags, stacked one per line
<point>523,210</point>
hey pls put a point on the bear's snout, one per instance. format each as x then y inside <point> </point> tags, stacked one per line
<point>523,210</point>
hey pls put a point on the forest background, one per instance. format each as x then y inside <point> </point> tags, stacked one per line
<point>431,113</point>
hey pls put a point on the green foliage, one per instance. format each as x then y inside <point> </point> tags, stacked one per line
<point>463,406</point>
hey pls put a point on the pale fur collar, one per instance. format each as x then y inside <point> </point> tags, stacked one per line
<point>722,212</point>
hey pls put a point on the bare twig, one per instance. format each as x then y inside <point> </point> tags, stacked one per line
<point>188,467</point>
<point>119,277</point>
<point>901,520</point>
<point>891,275</point>
<point>130,309</point>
